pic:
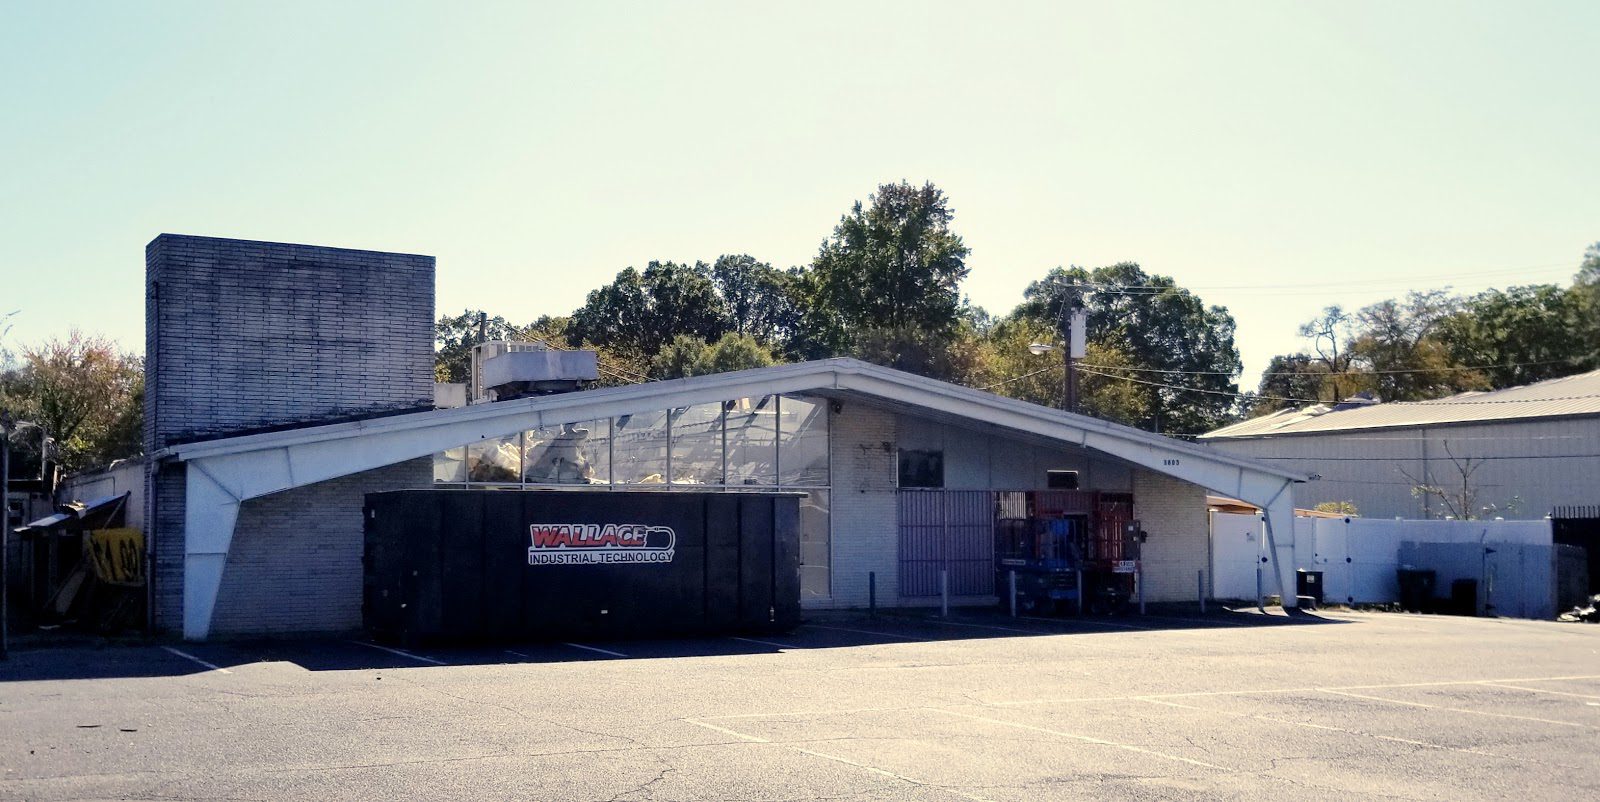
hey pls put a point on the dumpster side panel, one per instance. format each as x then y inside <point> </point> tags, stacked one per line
<point>755,561</point>
<point>786,562</point>
<point>721,575</point>
<point>460,525</point>
<point>421,577</point>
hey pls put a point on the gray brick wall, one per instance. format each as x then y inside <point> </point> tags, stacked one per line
<point>242,336</point>
<point>295,564</point>
<point>164,494</point>
<point>245,335</point>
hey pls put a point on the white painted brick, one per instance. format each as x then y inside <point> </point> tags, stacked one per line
<point>864,516</point>
<point>1173,512</point>
<point>295,564</point>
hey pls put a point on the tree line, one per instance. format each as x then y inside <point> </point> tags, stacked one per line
<point>885,286</point>
<point>1431,344</point>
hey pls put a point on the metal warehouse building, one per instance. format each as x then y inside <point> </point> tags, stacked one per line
<point>287,382</point>
<point>1522,452</point>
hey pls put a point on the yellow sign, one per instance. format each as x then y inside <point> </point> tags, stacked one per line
<point>118,555</point>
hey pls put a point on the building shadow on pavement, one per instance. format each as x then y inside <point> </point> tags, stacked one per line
<point>47,659</point>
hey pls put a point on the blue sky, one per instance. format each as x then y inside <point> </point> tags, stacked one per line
<point>1274,156</point>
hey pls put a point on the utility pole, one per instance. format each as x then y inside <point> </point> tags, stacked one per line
<point>1074,342</point>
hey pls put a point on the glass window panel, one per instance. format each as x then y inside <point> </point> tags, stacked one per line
<point>497,459</point>
<point>640,450</point>
<point>816,563</point>
<point>921,468</point>
<point>450,465</point>
<point>803,442</point>
<point>564,455</point>
<point>753,441</point>
<point>697,445</point>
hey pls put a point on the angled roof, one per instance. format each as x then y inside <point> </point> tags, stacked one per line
<point>841,378</point>
<point>221,474</point>
<point>1564,397</point>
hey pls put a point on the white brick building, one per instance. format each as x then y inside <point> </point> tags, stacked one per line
<point>256,486</point>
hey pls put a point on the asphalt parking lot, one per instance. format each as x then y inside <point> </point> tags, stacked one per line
<point>979,707</point>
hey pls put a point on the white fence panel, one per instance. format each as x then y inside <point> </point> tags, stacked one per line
<point>1331,556</point>
<point>1235,552</point>
<point>1358,558</point>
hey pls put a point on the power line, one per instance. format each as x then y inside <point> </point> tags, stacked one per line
<point>1113,286</point>
<point>1017,378</point>
<point>1432,459</point>
<point>1334,373</point>
<point>1200,390</point>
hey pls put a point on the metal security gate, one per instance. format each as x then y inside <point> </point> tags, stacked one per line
<point>952,530</point>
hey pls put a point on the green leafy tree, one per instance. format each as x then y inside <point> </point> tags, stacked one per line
<point>892,267</point>
<point>678,358</point>
<point>640,313</point>
<point>1396,340</point>
<point>760,299</point>
<point>1586,300</point>
<point>955,355</point>
<point>453,338</point>
<point>1111,393</point>
<point>687,355</point>
<point>1290,380</point>
<point>1520,335</point>
<point>733,352</point>
<point>1183,349</point>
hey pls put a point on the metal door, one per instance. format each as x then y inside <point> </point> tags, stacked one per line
<point>951,530</point>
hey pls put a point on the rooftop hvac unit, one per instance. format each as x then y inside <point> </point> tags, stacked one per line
<point>503,370</point>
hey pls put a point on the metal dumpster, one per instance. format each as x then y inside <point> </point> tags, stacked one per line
<point>454,565</point>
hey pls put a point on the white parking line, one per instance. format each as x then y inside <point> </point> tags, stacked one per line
<point>416,657</point>
<point>889,774</point>
<point>187,656</point>
<point>1357,733</point>
<point>868,632</point>
<point>993,627</point>
<point>1087,621</point>
<point>837,759</point>
<point>594,649</point>
<point>1457,709</point>
<point>725,731</point>
<point>1539,690</point>
<point>519,654</point>
<point>773,644</point>
<point>1084,738</point>
<point>1264,691</point>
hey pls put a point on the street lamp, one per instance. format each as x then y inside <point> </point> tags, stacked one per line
<point>1076,346</point>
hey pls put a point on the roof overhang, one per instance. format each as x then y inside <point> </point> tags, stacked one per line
<point>323,452</point>
<point>224,473</point>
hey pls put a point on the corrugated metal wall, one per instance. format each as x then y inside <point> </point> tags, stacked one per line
<point>946,529</point>
<point>1533,465</point>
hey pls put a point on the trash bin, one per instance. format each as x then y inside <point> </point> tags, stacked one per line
<point>1464,597</point>
<point>1416,589</point>
<point>1308,583</point>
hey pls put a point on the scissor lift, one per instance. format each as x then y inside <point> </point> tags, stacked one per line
<point>1070,550</point>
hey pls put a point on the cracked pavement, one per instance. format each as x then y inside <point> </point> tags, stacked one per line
<point>1229,706</point>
